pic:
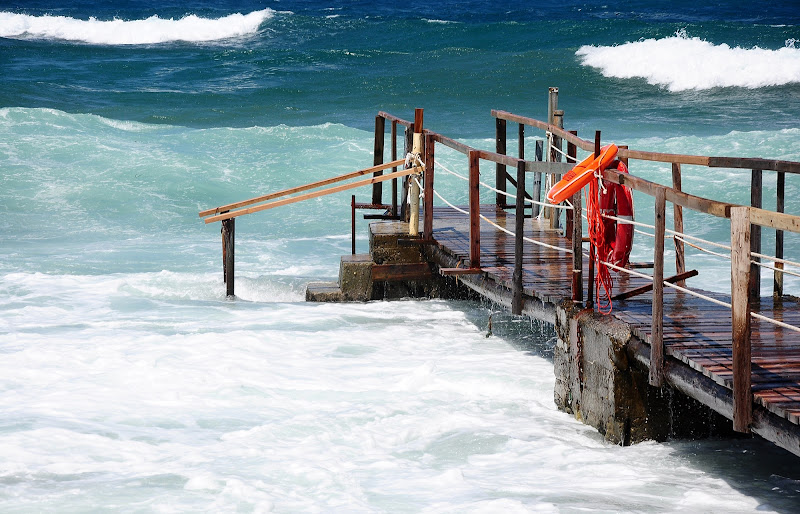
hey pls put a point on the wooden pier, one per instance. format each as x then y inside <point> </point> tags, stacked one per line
<point>736,354</point>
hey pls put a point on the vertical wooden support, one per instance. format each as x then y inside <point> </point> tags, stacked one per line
<point>570,215</point>
<point>756,200</point>
<point>555,156</point>
<point>407,146</point>
<point>474,210</point>
<point>394,158</point>
<point>657,322</point>
<point>537,179</point>
<point>577,248</point>
<point>500,169</point>
<point>777,289</point>
<point>427,222</point>
<point>516,300</point>
<point>353,222</point>
<point>590,290</point>
<point>413,219</point>
<point>740,317</point>
<point>228,233</point>
<point>677,214</point>
<point>377,189</point>
<point>521,144</point>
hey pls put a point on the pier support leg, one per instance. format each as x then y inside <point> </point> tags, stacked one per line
<point>228,232</point>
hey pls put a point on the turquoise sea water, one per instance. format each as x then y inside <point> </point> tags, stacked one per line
<point>128,381</point>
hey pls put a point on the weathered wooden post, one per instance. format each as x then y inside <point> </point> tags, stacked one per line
<point>353,223</point>
<point>516,301</point>
<point>413,220</point>
<point>590,291</point>
<point>394,158</point>
<point>677,213</point>
<point>228,233</point>
<point>427,223</point>
<point>576,233</point>
<point>570,215</point>
<point>474,210</point>
<point>756,200</point>
<point>408,144</point>
<point>377,189</point>
<point>521,145</point>
<point>777,287</point>
<point>537,179</point>
<point>657,321</point>
<point>740,317</point>
<point>500,169</point>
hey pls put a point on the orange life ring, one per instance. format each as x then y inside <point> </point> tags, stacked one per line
<point>616,200</point>
<point>581,174</point>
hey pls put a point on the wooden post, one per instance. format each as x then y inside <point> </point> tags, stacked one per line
<point>756,200</point>
<point>516,302</point>
<point>474,210</point>
<point>537,179</point>
<point>558,121</point>
<point>377,189</point>
<point>394,158</point>
<point>521,144</point>
<point>570,215</point>
<point>413,220</point>
<point>590,292</point>
<point>500,169</point>
<point>657,321</point>
<point>427,222</point>
<point>353,222</point>
<point>407,146</point>
<point>677,213</point>
<point>575,230</point>
<point>777,290</point>
<point>740,317</point>
<point>228,233</point>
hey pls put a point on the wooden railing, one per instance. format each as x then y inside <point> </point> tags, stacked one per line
<point>745,227</point>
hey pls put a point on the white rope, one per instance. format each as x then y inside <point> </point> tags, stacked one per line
<point>502,229</point>
<point>721,255</point>
<point>776,259</point>
<point>497,190</point>
<point>773,268</point>
<point>775,322</point>
<point>680,236</point>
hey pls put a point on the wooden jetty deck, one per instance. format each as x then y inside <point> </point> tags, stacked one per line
<point>737,354</point>
<point>696,332</point>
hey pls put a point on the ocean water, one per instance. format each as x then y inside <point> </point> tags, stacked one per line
<point>129,383</point>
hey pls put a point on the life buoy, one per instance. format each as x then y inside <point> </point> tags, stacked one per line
<point>581,174</point>
<point>616,200</point>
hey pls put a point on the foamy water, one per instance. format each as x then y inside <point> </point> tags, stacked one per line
<point>152,30</point>
<point>681,62</point>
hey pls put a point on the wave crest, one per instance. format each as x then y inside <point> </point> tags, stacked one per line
<point>152,30</point>
<point>681,62</point>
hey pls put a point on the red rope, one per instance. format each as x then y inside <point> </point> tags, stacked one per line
<point>597,237</point>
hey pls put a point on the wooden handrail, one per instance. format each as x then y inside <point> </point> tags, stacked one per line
<point>299,189</point>
<point>314,194</point>
<point>395,119</point>
<point>713,162</point>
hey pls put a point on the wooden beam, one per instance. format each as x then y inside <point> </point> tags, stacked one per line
<point>516,301</point>
<point>308,196</point>
<point>537,177</point>
<point>459,271</point>
<point>500,169</point>
<point>380,131</point>
<point>474,210</point>
<point>657,321</point>
<point>756,199</point>
<point>394,168</point>
<point>677,215</point>
<point>777,287</point>
<point>427,222</point>
<point>740,313</point>
<point>299,189</point>
<point>228,239</point>
<point>680,277</point>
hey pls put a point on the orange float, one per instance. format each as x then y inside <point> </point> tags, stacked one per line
<point>581,174</point>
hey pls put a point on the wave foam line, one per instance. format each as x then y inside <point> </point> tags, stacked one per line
<point>135,32</point>
<point>680,63</point>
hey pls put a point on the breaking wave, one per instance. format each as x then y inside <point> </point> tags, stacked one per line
<point>680,63</point>
<point>152,30</point>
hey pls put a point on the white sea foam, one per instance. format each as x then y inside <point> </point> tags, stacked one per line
<point>681,62</point>
<point>131,32</point>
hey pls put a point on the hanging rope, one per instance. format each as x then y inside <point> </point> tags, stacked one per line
<point>603,281</point>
